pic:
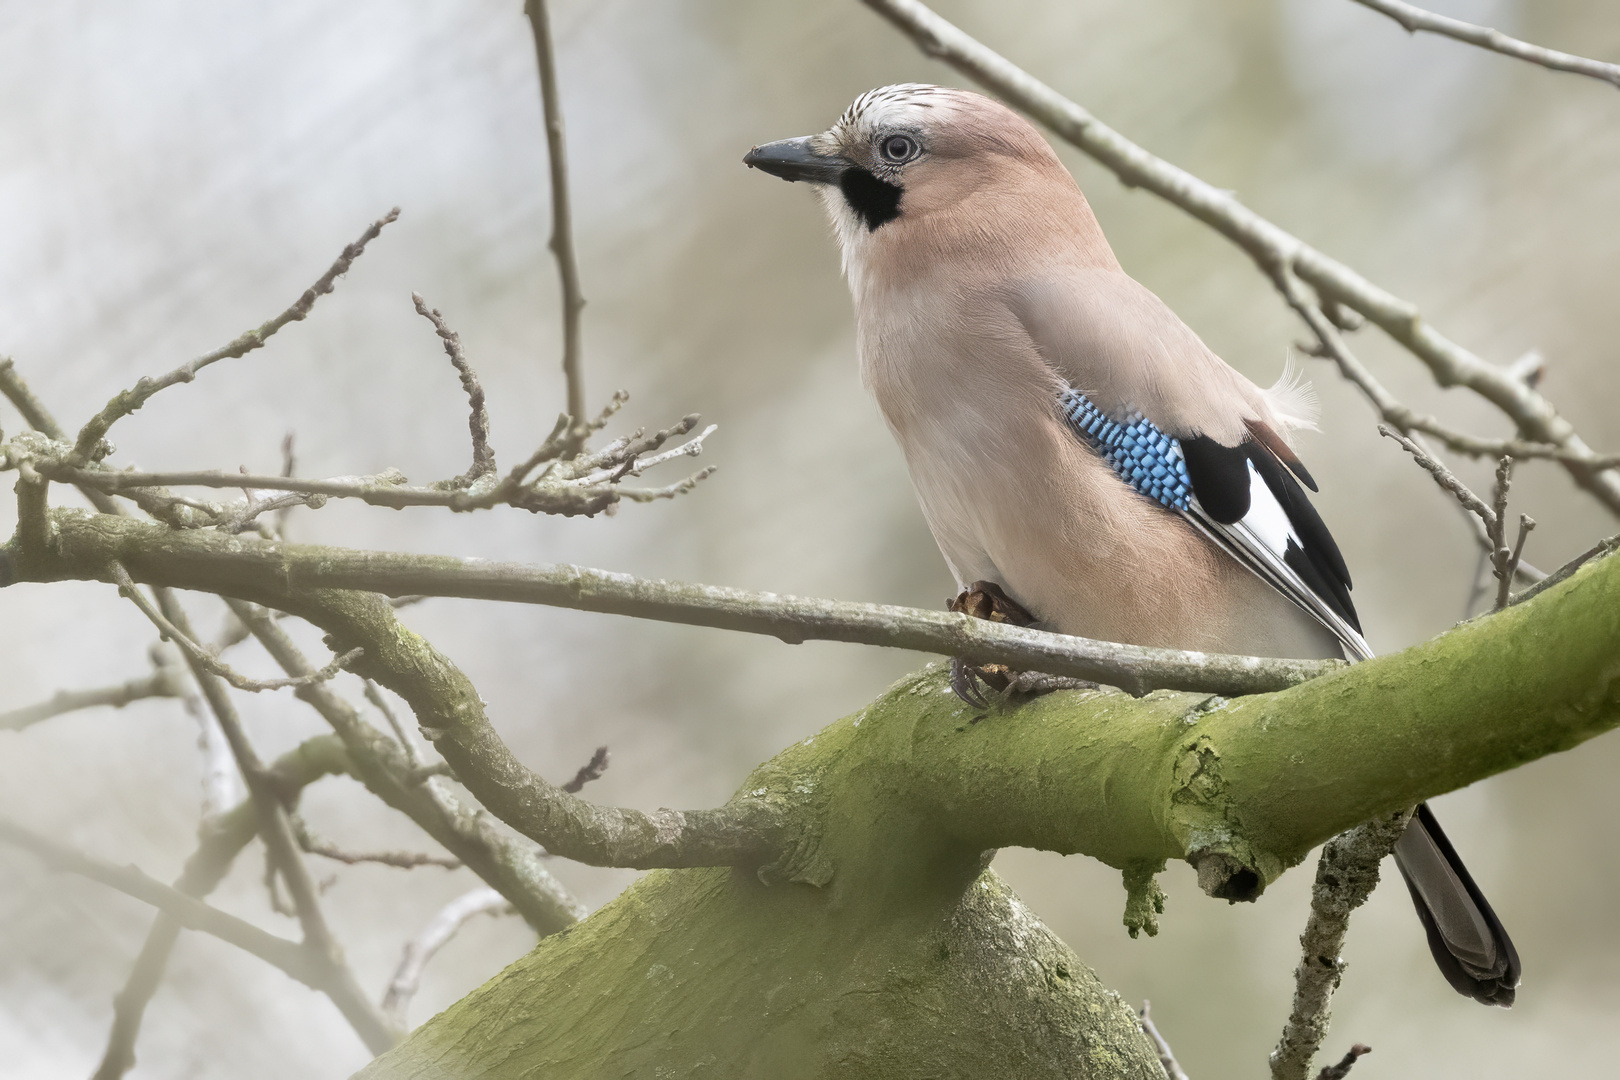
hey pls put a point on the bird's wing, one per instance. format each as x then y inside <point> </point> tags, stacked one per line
<point>1244,498</point>
<point>1184,428</point>
<point>1107,336</point>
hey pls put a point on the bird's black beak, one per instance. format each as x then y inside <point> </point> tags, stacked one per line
<point>795,159</point>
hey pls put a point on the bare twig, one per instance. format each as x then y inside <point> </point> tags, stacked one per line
<point>1530,368</point>
<point>89,445</point>
<point>562,232</point>
<point>402,860</point>
<point>275,827</point>
<point>289,466</point>
<point>193,914</point>
<point>164,681</point>
<point>591,770</point>
<point>1506,565</point>
<point>1446,479</point>
<point>1499,501</point>
<point>41,420</point>
<point>421,774</point>
<point>223,838</point>
<point>421,948</point>
<point>585,485</point>
<point>1596,551</point>
<point>220,780</point>
<point>413,752</point>
<point>1415,19</point>
<point>512,864</point>
<point>1505,583</point>
<point>207,660</point>
<point>1520,449</point>
<point>1172,1068</point>
<point>1341,1069</point>
<point>271,880</point>
<point>483,458</point>
<point>1269,245</point>
<point>1346,875</point>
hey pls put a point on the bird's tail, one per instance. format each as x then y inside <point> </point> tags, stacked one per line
<point>1470,946</point>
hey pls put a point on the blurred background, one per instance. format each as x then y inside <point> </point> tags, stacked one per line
<point>174,173</point>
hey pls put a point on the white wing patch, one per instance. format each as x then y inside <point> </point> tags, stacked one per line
<point>1260,541</point>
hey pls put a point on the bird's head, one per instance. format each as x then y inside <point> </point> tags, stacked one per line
<point>920,167</point>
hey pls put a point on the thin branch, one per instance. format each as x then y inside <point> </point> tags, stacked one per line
<point>637,466</point>
<point>1415,19</point>
<point>1331,345</point>
<point>1499,502</point>
<point>1599,550</point>
<point>89,445</point>
<point>1446,479</point>
<point>1341,1069</point>
<point>222,838</point>
<point>40,419</point>
<point>220,780</point>
<point>289,956</point>
<point>234,566</point>
<point>1474,446</point>
<point>402,860</point>
<point>164,681</point>
<point>413,753</point>
<point>1507,566</point>
<point>586,485</point>
<point>591,770</point>
<point>210,663</point>
<point>1269,245</point>
<point>1167,1058</point>
<point>435,935</point>
<point>421,774</point>
<point>483,458</point>
<point>512,864</point>
<point>1346,875</point>
<point>562,231</point>
<point>275,828</point>
<point>746,832</point>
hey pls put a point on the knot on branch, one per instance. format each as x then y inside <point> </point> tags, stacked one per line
<point>1228,868</point>
<point>1144,900</point>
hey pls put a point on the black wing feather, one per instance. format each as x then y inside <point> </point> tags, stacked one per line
<point>1220,479</point>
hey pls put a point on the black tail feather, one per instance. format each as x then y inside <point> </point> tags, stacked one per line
<point>1470,946</point>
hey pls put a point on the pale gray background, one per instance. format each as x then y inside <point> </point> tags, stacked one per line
<point>172,173</point>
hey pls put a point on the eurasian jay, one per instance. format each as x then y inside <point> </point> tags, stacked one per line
<point>1074,445</point>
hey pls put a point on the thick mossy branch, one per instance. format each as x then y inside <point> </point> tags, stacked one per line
<point>847,910</point>
<point>710,973</point>
<point>881,947</point>
<point>1242,788</point>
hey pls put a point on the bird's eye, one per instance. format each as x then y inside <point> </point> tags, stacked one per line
<point>897,149</point>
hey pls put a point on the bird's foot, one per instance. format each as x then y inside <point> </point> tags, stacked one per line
<point>967,680</point>
<point>1039,682</point>
<point>989,601</point>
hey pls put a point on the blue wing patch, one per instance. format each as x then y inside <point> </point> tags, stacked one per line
<point>1143,456</point>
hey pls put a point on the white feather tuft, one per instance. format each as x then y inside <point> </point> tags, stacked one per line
<point>1293,398</point>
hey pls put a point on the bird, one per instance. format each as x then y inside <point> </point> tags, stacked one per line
<point>1085,462</point>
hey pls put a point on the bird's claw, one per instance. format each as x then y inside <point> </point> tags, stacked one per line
<point>965,682</point>
<point>989,601</point>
